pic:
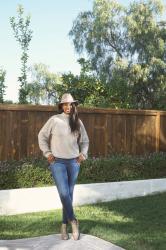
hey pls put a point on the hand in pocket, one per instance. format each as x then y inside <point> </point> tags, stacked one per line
<point>80,158</point>
<point>50,158</point>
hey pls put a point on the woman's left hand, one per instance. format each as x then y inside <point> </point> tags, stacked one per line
<point>80,158</point>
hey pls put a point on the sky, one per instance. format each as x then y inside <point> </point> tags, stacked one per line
<point>51,21</point>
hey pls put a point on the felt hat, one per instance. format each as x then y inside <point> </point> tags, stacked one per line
<point>67,97</point>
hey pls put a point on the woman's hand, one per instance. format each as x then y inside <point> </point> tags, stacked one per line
<point>51,158</point>
<point>80,158</point>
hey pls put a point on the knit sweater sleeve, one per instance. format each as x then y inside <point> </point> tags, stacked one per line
<point>84,140</point>
<point>43,137</point>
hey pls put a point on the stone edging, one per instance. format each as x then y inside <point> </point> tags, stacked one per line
<point>18,201</point>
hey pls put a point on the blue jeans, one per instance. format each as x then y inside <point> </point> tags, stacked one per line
<point>65,173</point>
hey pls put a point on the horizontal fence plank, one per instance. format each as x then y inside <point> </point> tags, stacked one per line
<point>51,108</point>
<point>110,130</point>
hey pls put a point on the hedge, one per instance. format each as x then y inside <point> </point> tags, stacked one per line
<point>35,172</point>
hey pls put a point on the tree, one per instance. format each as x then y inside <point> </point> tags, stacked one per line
<point>126,48</point>
<point>100,34</point>
<point>43,86</point>
<point>2,85</point>
<point>23,35</point>
<point>85,87</point>
<point>147,45</point>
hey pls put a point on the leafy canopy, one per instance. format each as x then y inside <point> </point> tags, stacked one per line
<point>126,48</point>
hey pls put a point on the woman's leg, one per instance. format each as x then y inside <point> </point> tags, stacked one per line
<point>73,170</point>
<point>72,173</point>
<point>60,175</point>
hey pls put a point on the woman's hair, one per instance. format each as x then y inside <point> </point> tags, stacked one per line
<point>73,118</point>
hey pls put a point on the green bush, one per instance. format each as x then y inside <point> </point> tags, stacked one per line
<point>35,172</point>
<point>25,173</point>
<point>123,168</point>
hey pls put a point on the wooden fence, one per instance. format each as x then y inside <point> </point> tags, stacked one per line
<point>110,131</point>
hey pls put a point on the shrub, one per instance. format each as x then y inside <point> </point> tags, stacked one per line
<point>35,172</point>
<point>123,167</point>
<point>25,173</point>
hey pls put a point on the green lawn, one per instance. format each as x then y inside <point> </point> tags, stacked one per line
<point>137,223</point>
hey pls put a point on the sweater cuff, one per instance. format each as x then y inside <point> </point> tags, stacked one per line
<point>46,154</point>
<point>85,155</point>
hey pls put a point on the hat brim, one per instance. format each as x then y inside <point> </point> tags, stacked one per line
<point>75,101</point>
<point>61,103</point>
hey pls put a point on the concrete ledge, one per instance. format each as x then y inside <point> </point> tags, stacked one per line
<point>17,201</point>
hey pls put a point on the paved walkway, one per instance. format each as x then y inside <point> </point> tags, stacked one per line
<point>54,242</point>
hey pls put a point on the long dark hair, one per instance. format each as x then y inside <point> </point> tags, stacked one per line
<point>73,118</point>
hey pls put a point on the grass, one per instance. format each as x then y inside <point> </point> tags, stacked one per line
<point>134,224</point>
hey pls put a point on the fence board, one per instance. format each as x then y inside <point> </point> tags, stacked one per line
<point>130,134</point>
<point>162,139</point>
<point>110,131</point>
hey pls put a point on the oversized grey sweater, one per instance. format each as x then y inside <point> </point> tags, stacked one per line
<point>63,143</point>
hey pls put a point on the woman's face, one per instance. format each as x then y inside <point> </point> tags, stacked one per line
<point>67,107</point>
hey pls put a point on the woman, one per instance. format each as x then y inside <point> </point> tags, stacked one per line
<point>68,148</point>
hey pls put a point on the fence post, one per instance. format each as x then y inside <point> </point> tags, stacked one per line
<point>158,131</point>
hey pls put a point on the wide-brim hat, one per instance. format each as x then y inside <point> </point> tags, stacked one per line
<point>67,97</point>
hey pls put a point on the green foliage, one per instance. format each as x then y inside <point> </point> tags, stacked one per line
<point>24,173</point>
<point>123,167</point>
<point>9,102</point>
<point>144,32</point>
<point>43,86</point>
<point>36,172</point>
<point>2,85</point>
<point>47,87</point>
<point>23,35</point>
<point>84,87</point>
<point>126,51</point>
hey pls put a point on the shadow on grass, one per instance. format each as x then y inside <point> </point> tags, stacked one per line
<point>137,223</point>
